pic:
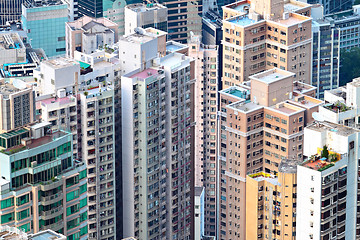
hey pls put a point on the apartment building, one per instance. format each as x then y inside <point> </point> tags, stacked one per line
<point>271,203</point>
<point>137,50</point>
<point>145,15</point>
<point>88,34</point>
<point>327,183</point>
<point>261,35</point>
<point>17,103</point>
<point>205,103</point>
<point>61,112</point>
<point>157,162</point>
<point>97,121</point>
<point>40,181</point>
<point>260,125</point>
<point>183,17</point>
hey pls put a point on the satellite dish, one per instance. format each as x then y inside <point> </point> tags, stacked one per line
<point>318,117</point>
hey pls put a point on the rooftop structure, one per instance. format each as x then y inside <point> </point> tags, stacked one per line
<point>88,34</point>
<point>145,15</point>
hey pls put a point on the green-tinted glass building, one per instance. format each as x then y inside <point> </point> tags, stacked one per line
<point>45,25</point>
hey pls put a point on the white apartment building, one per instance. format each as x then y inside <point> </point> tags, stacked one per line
<point>327,183</point>
<point>156,122</point>
<point>97,121</point>
<point>137,50</point>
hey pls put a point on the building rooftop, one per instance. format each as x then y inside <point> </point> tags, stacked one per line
<point>7,88</point>
<point>47,235</point>
<point>11,233</point>
<point>61,101</point>
<point>286,108</point>
<point>42,3</point>
<point>261,176</point>
<point>60,62</point>
<point>10,41</point>
<point>292,6</point>
<point>241,20</point>
<point>172,46</point>
<point>288,166</point>
<point>293,19</point>
<point>141,7</point>
<point>173,60</point>
<point>272,75</point>
<point>305,101</point>
<point>240,6</point>
<point>244,106</point>
<point>146,73</point>
<point>332,127</point>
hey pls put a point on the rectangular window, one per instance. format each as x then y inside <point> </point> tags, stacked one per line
<point>72,195</point>
<point>7,218</point>
<point>22,200</point>
<point>7,203</point>
<point>83,188</point>
<point>83,202</point>
<point>72,209</point>
<point>23,214</point>
<point>82,174</point>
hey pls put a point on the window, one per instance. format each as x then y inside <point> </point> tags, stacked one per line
<point>83,202</point>
<point>23,214</point>
<point>72,209</point>
<point>83,188</point>
<point>82,174</point>
<point>72,195</point>
<point>7,203</point>
<point>7,218</point>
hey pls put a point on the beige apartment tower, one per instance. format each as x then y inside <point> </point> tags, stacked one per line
<point>261,124</point>
<point>262,34</point>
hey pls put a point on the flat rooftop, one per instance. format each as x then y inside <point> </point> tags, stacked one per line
<point>272,75</point>
<point>173,60</point>
<point>286,108</point>
<point>242,20</point>
<point>292,6</point>
<point>172,46</point>
<point>306,101</point>
<point>332,127</point>
<point>47,235</point>
<point>10,41</point>
<point>61,101</point>
<point>293,19</point>
<point>141,7</point>
<point>150,72</point>
<point>261,176</point>
<point>245,106</point>
<point>60,62</point>
<point>43,3</point>
<point>288,166</point>
<point>6,89</point>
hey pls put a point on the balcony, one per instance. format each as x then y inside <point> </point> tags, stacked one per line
<point>52,198</point>
<point>45,215</point>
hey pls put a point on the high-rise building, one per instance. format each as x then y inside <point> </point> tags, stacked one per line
<point>42,186</point>
<point>44,23</point>
<point>97,110</point>
<point>205,112</point>
<point>144,16</point>
<point>348,24</point>
<point>261,35</point>
<point>157,161</point>
<point>88,34</point>
<point>183,17</point>
<point>260,125</point>
<point>17,104</point>
<point>326,53</point>
<point>271,203</point>
<point>327,183</point>
<point>332,6</point>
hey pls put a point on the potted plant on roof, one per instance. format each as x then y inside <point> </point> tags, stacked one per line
<point>325,152</point>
